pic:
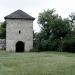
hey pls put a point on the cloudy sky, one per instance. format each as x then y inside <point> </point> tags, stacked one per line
<point>33,7</point>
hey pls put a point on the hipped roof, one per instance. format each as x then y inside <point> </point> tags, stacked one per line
<point>19,14</point>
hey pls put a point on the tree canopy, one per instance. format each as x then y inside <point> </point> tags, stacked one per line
<point>53,29</point>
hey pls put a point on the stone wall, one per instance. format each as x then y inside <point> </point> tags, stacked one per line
<point>2,44</point>
<point>12,33</point>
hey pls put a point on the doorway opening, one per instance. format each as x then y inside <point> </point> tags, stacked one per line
<point>20,46</point>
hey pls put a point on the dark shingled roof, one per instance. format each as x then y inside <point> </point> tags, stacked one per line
<point>19,14</point>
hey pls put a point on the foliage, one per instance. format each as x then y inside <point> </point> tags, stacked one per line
<point>3,30</point>
<point>53,30</point>
<point>72,20</point>
<point>69,42</point>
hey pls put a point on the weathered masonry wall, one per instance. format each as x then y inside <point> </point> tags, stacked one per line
<point>12,33</point>
<point>2,44</point>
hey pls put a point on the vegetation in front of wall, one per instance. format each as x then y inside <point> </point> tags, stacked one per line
<point>57,34</point>
<point>3,30</point>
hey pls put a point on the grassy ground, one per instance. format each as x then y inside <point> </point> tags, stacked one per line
<point>45,63</point>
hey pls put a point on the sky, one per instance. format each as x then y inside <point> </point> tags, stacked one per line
<point>34,7</point>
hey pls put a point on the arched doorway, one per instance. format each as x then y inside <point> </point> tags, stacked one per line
<point>19,46</point>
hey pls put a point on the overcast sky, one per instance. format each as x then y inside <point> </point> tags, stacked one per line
<point>33,7</point>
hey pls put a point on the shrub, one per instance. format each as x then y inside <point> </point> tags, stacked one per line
<point>69,45</point>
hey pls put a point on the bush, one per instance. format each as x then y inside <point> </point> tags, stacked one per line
<point>41,44</point>
<point>69,45</point>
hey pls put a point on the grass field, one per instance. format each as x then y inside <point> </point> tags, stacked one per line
<point>44,63</point>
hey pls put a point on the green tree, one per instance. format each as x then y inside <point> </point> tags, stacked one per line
<point>53,30</point>
<point>53,24</point>
<point>69,41</point>
<point>72,20</point>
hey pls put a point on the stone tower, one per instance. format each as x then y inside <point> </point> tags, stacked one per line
<point>19,31</point>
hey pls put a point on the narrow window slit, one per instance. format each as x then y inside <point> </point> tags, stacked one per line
<point>19,32</point>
